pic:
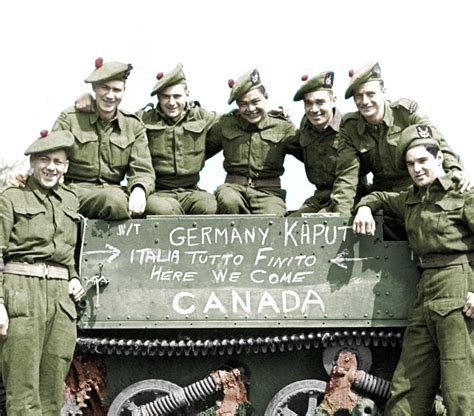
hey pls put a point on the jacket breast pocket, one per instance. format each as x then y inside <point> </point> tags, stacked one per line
<point>71,221</point>
<point>85,148</point>
<point>449,212</point>
<point>120,150</point>
<point>30,221</point>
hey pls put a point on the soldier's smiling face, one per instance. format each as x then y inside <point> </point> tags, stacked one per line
<point>369,99</point>
<point>318,107</point>
<point>108,96</point>
<point>49,168</point>
<point>422,166</point>
<point>173,100</point>
<point>252,105</point>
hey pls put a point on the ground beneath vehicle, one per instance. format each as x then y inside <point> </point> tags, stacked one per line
<point>172,299</point>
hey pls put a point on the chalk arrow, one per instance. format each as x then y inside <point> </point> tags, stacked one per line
<point>109,249</point>
<point>341,258</point>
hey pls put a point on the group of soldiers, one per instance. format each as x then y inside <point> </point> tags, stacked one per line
<point>103,162</point>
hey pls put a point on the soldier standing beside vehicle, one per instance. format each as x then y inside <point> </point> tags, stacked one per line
<point>438,346</point>
<point>110,145</point>
<point>176,130</point>
<point>39,281</point>
<point>254,143</point>
<point>368,140</point>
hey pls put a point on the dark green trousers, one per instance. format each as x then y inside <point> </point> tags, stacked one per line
<point>103,201</point>
<point>37,353</point>
<point>239,199</point>
<point>180,202</point>
<point>438,348</point>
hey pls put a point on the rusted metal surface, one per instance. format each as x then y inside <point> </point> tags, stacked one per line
<point>234,389</point>
<point>85,386</point>
<point>338,394</point>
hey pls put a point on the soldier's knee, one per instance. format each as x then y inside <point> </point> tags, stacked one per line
<point>206,204</point>
<point>163,206</point>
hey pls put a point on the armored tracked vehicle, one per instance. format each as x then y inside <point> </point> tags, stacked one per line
<point>174,304</point>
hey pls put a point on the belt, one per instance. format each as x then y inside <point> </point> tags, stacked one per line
<point>41,270</point>
<point>433,261</point>
<point>254,183</point>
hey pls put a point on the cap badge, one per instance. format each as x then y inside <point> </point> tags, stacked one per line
<point>328,79</point>
<point>424,132</point>
<point>254,77</point>
<point>376,71</point>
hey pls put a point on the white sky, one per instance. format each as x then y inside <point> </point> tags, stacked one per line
<point>49,47</point>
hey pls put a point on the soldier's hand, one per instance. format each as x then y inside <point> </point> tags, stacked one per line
<point>364,222</point>
<point>75,289</point>
<point>137,201</point>
<point>464,183</point>
<point>469,305</point>
<point>85,103</point>
<point>3,321</point>
<point>19,181</point>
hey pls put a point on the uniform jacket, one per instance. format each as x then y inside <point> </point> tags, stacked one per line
<point>252,150</point>
<point>177,147</point>
<point>38,225</point>
<point>438,218</point>
<point>318,150</point>
<point>107,152</point>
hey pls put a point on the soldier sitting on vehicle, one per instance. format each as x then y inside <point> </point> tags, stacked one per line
<point>109,145</point>
<point>39,281</point>
<point>176,130</point>
<point>318,138</point>
<point>368,139</point>
<point>438,345</point>
<point>254,144</point>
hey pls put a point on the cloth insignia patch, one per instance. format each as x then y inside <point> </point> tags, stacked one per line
<point>413,106</point>
<point>376,71</point>
<point>254,77</point>
<point>328,79</point>
<point>424,132</point>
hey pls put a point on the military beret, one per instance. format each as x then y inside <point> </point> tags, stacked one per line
<point>369,72</point>
<point>49,142</point>
<point>412,136</point>
<point>249,81</point>
<point>109,71</point>
<point>174,77</point>
<point>323,81</point>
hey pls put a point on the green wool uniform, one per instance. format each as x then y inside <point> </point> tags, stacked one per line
<point>38,227</point>
<point>366,148</point>
<point>318,150</point>
<point>104,153</point>
<point>177,150</point>
<point>253,159</point>
<point>438,346</point>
